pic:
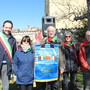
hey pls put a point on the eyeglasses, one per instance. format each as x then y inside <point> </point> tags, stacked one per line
<point>67,36</point>
<point>25,40</point>
<point>87,35</point>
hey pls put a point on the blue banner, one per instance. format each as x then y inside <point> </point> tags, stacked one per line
<point>46,63</point>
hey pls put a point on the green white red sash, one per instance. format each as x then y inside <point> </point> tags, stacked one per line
<point>6,45</point>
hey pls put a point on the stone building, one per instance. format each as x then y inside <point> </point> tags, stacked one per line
<point>65,11</point>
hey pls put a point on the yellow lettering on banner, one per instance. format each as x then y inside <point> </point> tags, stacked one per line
<point>48,70</point>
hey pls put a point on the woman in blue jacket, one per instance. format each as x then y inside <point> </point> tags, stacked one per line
<point>24,64</point>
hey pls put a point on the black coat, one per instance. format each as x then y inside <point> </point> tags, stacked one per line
<point>71,58</point>
<point>4,56</point>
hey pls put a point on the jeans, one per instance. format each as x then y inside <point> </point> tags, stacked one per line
<point>86,80</point>
<point>4,77</point>
<point>65,84</point>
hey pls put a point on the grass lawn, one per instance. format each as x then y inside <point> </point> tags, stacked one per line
<point>0,87</point>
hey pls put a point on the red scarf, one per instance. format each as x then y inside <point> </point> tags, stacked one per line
<point>68,45</point>
<point>86,43</point>
<point>52,39</point>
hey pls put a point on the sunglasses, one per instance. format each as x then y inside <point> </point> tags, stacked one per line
<point>67,36</point>
<point>25,40</point>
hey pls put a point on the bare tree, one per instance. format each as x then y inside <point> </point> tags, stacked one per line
<point>70,11</point>
<point>86,15</point>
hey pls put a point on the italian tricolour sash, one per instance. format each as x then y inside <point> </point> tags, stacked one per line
<point>6,45</point>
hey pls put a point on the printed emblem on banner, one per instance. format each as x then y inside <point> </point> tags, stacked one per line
<point>46,63</point>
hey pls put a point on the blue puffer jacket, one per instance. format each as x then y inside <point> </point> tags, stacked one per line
<point>24,67</point>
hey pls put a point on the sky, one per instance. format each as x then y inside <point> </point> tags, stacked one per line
<point>22,13</point>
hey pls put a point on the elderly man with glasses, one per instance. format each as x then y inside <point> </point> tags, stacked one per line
<point>84,55</point>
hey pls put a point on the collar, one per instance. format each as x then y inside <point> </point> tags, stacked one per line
<point>53,39</point>
<point>21,49</point>
<point>9,36</point>
<point>86,43</point>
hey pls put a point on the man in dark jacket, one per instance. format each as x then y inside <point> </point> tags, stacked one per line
<point>84,55</point>
<point>7,50</point>
<point>71,52</point>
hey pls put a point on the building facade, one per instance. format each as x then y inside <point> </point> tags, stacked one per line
<point>65,11</point>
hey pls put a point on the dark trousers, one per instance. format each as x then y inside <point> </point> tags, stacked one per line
<point>65,84</point>
<point>40,86</point>
<point>26,87</point>
<point>43,86</point>
<point>86,80</point>
<point>53,85</point>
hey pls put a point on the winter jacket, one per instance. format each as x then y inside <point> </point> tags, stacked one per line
<point>84,55</point>
<point>24,67</point>
<point>4,55</point>
<point>71,55</point>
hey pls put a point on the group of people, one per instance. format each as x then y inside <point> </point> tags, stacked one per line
<point>72,58</point>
